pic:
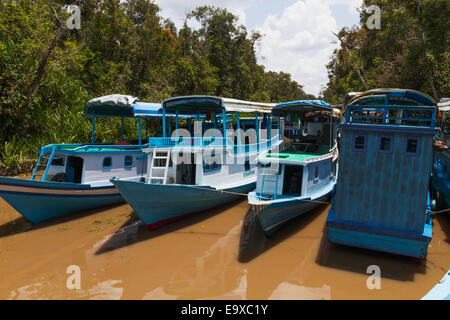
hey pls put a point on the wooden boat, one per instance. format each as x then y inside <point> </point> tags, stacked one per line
<point>440,177</point>
<point>210,164</point>
<point>441,291</point>
<point>74,177</point>
<point>302,176</point>
<point>381,200</point>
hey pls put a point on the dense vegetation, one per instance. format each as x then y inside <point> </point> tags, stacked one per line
<point>49,72</point>
<point>411,50</point>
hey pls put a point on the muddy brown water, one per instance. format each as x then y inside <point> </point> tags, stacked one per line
<point>196,258</point>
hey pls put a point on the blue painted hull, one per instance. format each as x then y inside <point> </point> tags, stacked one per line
<point>379,238</point>
<point>157,204</point>
<point>39,201</point>
<point>272,216</point>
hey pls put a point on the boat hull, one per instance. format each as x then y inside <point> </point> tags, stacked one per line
<point>39,201</point>
<point>157,204</point>
<point>378,238</point>
<point>276,213</point>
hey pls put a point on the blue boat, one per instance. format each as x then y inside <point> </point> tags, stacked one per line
<point>203,165</point>
<point>381,201</point>
<point>440,178</point>
<point>303,174</point>
<point>70,178</point>
<point>441,291</point>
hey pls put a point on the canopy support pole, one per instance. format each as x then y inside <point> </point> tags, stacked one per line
<point>93,128</point>
<point>224,123</point>
<point>257,130</point>
<point>238,125</point>
<point>164,122</point>
<point>140,131</point>
<point>176,122</point>
<point>121,129</point>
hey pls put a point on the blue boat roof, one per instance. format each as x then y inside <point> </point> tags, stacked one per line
<point>194,104</point>
<point>125,106</point>
<point>302,105</point>
<point>393,96</point>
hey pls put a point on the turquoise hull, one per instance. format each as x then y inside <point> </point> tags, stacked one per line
<point>39,201</point>
<point>272,216</point>
<point>379,238</point>
<point>157,204</point>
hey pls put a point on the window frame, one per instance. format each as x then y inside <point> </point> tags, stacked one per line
<point>365,135</point>
<point>391,147</point>
<point>407,138</point>
<point>125,161</point>
<point>103,162</point>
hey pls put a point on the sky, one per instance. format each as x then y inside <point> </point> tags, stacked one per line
<point>297,34</point>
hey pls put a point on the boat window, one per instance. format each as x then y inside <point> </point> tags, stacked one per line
<point>316,172</point>
<point>107,162</point>
<point>128,161</point>
<point>412,146</point>
<point>360,142</point>
<point>210,163</point>
<point>247,165</point>
<point>385,144</point>
<point>58,162</point>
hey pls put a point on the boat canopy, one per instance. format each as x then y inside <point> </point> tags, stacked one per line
<point>202,104</point>
<point>118,105</point>
<point>304,105</point>
<point>444,104</point>
<point>392,97</point>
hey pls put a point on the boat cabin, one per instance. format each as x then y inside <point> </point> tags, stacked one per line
<point>96,164</point>
<point>307,158</point>
<point>386,162</point>
<point>208,150</point>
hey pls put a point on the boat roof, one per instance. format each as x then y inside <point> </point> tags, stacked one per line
<point>304,105</point>
<point>393,96</point>
<point>444,104</point>
<point>118,105</point>
<point>194,104</point>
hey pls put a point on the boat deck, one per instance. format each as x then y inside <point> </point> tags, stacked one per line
<point>297,156</point>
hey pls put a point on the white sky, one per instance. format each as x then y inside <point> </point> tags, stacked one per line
<point>297,33</point>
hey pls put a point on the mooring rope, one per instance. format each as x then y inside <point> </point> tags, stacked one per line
<point>433,213</point>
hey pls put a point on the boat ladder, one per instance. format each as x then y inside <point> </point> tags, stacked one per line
<point>270,175</point>
<point>45,158</point>
<point>160,164</point>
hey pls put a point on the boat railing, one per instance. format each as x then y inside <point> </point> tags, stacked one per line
<point>217,142</point>
<point>422,116</point>
<point>88,147</point>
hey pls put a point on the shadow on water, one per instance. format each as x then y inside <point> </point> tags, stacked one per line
<point>21,224</point>
<point>134,230</point>
<point>444,221</point>
<point>353,259</point>
<point>253,241</point>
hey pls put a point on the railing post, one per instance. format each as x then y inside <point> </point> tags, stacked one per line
<point>257,131</point>
<point>49,163</point>
<point>224,125</point>
<point>239,138</point>
<point>140,130</point>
